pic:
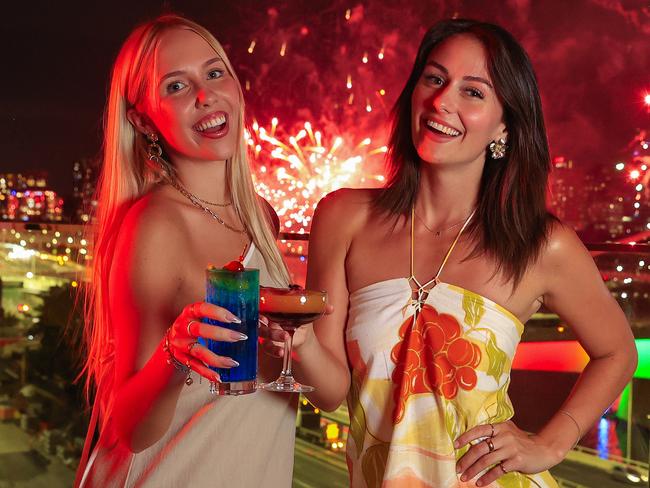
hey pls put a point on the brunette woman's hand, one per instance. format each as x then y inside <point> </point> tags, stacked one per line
<point>502,448</point>
<point>273,336</point>
<point>182,336</point>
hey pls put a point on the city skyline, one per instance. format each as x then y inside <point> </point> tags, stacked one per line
<point>590,57</point>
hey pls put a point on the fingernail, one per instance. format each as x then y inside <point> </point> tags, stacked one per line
<point>231,362</point>
<point>216,378</point>
<point>479,483</point>
<point>233,319</point>
<point>239,336</point>
<point>456,444</point>
<point>463,478</point>
<point>458,470</point>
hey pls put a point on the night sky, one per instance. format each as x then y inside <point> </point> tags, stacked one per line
<point>591,58</point>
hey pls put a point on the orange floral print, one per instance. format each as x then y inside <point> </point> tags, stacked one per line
<point>433,356</point>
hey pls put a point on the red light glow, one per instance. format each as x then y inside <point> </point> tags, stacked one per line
<point>564,356</point>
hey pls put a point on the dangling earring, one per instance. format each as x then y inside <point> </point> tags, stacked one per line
<point>154,154</point>
<point>154,151</point>
<point>498,148</point>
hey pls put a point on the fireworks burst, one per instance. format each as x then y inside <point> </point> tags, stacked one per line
<point>294,172</point>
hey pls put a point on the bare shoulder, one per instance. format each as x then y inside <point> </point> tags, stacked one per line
<point>563,248</point>
<point>272,214</point>
<point>149,250</point>
<point>565,263</point>
<point>154,221</point>
<point>346,208</point>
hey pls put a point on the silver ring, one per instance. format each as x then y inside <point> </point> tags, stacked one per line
<point>505,471</point>
<point>492,427</point>
<point>190,346</point>
<point>490,444</point>
<point>189,326</point>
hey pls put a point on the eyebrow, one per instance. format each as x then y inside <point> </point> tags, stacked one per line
<point>467,78</point>
<point>171,74</point>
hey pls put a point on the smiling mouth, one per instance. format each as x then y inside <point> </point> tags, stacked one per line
<point>438,128</point>
<point>215,123</point>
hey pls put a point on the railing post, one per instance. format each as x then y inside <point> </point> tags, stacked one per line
<point>628,440</point>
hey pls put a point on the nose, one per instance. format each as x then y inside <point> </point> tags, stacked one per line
<point>443,100</point>
<point>205,96</point>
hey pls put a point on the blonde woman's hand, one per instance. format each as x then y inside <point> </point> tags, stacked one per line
<point>182,338</point>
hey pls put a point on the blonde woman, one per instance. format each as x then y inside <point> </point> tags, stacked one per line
<point>176,194</point>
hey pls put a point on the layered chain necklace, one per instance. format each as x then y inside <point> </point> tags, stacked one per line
<point>196,201</point>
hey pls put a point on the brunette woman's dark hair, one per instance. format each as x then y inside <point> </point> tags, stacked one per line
<point>511,223</point>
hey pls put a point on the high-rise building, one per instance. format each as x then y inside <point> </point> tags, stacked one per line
<point>567,192</point>
<point>84,179</point>
<point>25,197</point>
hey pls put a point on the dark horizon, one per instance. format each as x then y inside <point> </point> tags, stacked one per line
<point>591,58</point>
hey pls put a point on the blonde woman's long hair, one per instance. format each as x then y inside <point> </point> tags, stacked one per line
<point>127,174</point>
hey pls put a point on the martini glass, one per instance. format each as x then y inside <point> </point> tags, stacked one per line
<point>290,308</point>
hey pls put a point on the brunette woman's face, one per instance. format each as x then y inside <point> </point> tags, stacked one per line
<point>195,107</point>
<point>455,110</point>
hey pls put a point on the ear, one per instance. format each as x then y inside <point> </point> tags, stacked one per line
<point>502,133</point>
<point>140,121</point>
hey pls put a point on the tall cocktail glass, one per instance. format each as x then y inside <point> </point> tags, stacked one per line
<point>238,292</point>
<point>290,308</point>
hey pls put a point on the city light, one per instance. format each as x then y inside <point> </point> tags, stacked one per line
<point>646,99</point>
<point>620,166</point>
<point>634,174</point>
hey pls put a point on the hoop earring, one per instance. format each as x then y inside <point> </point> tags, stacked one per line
<point>498,148</point>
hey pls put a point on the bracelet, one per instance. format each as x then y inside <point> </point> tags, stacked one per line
<point>576,424</point>
<point>171,359</point>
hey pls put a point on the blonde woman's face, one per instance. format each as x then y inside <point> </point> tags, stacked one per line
<point>195,107</point>
<point>455,110</point>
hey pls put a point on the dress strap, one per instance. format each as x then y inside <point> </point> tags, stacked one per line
<point>446,258</point>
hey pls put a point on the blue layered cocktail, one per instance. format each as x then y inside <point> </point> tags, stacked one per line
<point>238,292</point>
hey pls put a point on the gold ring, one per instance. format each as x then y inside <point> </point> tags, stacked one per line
<point>189,326</point>
<point>505,471</point>
<point>490,444</point>
<point>190,346</point>
<point>492,433</point>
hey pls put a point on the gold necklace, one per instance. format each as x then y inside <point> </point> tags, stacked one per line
<point>227,204</point>
<point>437,233</point>
<point>197,203</point>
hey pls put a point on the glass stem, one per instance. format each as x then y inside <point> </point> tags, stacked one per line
<point>286,360</point>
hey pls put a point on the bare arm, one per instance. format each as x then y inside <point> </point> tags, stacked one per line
<point>573,288</point>
<point>144,286</point>
<point>321,359</point>
<point>576,292</point>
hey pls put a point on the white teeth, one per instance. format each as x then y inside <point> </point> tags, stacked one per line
<point>218,120</point>
<point>442,128</point>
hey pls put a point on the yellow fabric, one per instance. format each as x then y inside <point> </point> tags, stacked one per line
<point>421,380</point>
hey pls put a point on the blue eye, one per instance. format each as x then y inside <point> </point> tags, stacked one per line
<point>175,86</point>
<point>215,74</point>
